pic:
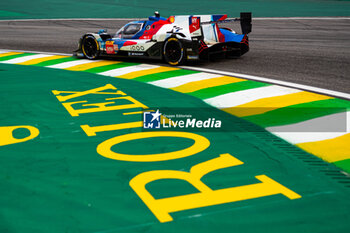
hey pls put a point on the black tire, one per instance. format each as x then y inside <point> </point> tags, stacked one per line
<point>174,52</point>
<point>90,47</point>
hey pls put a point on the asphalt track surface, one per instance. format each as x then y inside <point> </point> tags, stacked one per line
<point>312,52</point>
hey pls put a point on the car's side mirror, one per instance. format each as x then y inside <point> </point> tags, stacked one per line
<point>102,31</point>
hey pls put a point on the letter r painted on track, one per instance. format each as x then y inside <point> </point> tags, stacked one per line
<point>162,208</point>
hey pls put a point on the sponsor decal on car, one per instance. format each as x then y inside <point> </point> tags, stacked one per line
<point>193,57</point>
<point>135,54</point>
<point>137,48</point>
<point>194,24</point>
<point>110,47</point>
<point>115,47</point>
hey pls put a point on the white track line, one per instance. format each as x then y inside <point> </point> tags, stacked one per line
<point>68,64</point>
<point>26,51</point>
<point>26,58</point>
<point>273,81</point>
<point>126,70</point>
<point>237,98</point>
<point>180,80</point>
<point>303,137</point>
<point>317,129</point>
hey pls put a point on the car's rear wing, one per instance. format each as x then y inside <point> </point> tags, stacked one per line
<point>205,27</point>
<point>246,22</point>
<point>245,19</point>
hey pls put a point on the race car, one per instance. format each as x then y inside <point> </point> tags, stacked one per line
<point>175,39</point>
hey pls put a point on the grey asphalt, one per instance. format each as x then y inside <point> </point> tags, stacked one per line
<point>313,52</point>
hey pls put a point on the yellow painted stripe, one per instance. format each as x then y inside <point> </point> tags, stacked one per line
<point>132,113</point>
<point>87,66</point>
<point>213,82</point>
<point>268,104</point>
<point>136,74</point>
<point>331,150</point>
<point>38,60</point>
<point>9,54</point>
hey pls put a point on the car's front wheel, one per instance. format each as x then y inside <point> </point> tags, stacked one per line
<point>173,51</point>
<point>90,47</point>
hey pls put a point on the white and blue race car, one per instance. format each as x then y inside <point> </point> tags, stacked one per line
<point>175,39</point>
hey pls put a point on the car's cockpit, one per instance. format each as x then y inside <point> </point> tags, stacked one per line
<point>129,30</point>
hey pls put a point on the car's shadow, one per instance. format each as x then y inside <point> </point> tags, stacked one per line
<point>199,63</point>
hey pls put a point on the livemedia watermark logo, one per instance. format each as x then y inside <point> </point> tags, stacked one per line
<point>257,119</point>
<point>151,120</point>
<point>157,120</point>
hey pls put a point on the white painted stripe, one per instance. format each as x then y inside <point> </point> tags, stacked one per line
<point>126,70</point>
<point>273,81</point>
<point>68,64</point>
<point>26,58</point>
<point>242,97</point>
<point>301,137</point>
<point>180,80</point>
<point>40,52</point>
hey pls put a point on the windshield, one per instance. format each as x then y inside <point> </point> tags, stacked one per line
<point>129,30</point>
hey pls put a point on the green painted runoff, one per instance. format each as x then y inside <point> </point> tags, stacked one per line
<point>59,182</point>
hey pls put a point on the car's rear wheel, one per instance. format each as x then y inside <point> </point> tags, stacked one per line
<point>90,47</point>
<point>173,51</point>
